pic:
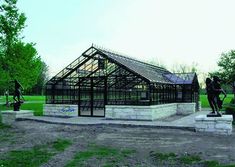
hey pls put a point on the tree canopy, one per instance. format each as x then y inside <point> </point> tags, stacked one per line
<point>226,65</point>
<point>18,60</point>
<point>12,22</point>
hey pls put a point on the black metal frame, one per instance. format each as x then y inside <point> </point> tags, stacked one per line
<point>95,79</point>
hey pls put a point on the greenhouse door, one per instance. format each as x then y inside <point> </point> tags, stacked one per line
<point>92,98</point>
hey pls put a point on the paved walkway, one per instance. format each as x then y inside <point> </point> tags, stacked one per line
<point>186,122</point>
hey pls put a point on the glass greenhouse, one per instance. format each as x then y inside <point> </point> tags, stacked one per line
<point>101,77</point>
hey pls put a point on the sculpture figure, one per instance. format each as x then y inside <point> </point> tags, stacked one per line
<point>213,89</point>
<point>17,95</point>
<point>217,86</point>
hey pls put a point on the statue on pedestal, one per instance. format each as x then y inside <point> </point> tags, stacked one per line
<point>213,89</point>
<point>17,95</point>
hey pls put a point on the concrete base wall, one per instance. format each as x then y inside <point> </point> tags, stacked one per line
<point>9,117</point>
<point>215,125</point>
<point>186,108</point>
<point>148,112</point>
<point>66,110</point>
<point>128,112</point>
<point>163,111</point>
<point>152,112</point>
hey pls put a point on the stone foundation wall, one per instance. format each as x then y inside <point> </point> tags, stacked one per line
<point>152,112</point>
<point>163,111</point>
<point>66,110</point>
<point>186,108</point>
<point>128,112</point>
<point>216,125</point>
<point>148,112</point>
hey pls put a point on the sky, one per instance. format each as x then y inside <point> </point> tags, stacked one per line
<point>166,31</point>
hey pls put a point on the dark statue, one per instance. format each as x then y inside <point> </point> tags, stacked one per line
<point>213,89</point>
<point>17,95</point>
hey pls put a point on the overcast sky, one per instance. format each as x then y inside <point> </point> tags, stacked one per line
<point>169,31</point>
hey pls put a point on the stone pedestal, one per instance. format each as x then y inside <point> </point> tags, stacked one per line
<point>216,125</point>
<point>199,106</point>
<point>8,117</point>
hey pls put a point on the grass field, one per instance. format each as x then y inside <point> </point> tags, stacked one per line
<point>27,98</point>
<point>205,104</point>
<point>34,103</point>
<point>110,156</point>
<point>36,156</point>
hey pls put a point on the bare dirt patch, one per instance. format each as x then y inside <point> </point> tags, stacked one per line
<point>145,141</point>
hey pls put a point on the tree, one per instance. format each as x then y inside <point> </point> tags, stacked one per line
<point>226,65</point>
<point>38,88</point>
<point>12,22</point>
<point>156,62</point>
<point>24,64</point>
<point>11,25</point>
<point>184,68</point>
<point>18,60</point>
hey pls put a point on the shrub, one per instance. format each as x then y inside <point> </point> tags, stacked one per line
<point>232,101</point>
<point>230,110</point>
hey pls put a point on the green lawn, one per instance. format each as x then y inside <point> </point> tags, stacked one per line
<point>108,156</point>
<point>172,159</point>
<point>205,104</point>
<point>27,98</point>
<point>34,157</point>
<point>34,103</point>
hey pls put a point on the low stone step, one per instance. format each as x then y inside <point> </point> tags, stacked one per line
<point>9,116</point>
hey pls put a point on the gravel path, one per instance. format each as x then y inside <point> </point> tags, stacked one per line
<point>26,134</point>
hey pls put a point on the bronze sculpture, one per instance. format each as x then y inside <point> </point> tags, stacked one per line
<point>213,89</point>
<point>17,95</point>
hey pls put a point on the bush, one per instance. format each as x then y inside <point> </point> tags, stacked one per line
<point>232,101</point>
<point>230,110</point>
